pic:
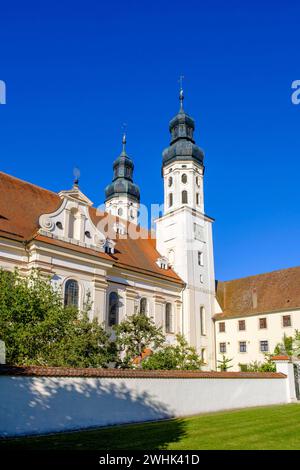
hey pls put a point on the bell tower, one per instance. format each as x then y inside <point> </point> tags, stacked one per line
<point>184,233</point>
<point>122,196</point>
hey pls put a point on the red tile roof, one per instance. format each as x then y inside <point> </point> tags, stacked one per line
<point>22,203</point>
<point>40,371</point>
<point>269,292</point>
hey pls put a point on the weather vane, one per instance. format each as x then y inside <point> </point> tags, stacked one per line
<point>76,174</point>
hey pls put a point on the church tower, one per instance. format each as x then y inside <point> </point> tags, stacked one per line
<point>122,196</point>
<point>184,233</point>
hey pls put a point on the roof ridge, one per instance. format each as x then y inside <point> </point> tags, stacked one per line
<point>260,274</point>
<point>28,182</point>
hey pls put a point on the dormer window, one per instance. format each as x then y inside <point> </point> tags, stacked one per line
<point>163,262</point>
<point>109,246</point>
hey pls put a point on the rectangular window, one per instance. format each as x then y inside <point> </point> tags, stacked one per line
<point>222,327</point>
<point>243,346</point>
<point>197,199</point>
<point>202,321</point>
<point>242,325</point>
<point>262,323</point>
<point>286,320</point>
<point>222,347</point>
<point>264,346</point>
<point>200,258</point>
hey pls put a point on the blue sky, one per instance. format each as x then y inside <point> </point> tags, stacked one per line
<point>75,71</point>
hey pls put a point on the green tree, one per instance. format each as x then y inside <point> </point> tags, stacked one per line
<point>176,356</point>
<point>224,363</point>
<point>135,334</point>
<point>285,347</point>
<point>38,329</point>
<point>296,344</point>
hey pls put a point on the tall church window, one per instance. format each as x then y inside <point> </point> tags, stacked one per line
<point>170,181</point>
<point>71,296</point>
<point>170,200</point>
<point>184,197</point>
<point>120,211</point>
<point>184,178</point>
<point>202,321</point>
<point>143,306</point>
<point>168,318</point>
<point>197,199</point>
<point>113,309</point>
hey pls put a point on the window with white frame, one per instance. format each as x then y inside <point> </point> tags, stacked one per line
<point>143,306</point>
<point>264,346</point>
<point>242,346</point>
<point>286,321</point>
<point>168,318</point>
<point>184,197</point>
<point>222,347</point>
<point>113,309</point>
<point>71,297</point>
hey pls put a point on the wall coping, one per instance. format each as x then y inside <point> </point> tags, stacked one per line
<point>40,371</point>
<point>280,358</point>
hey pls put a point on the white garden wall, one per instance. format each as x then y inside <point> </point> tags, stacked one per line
<point>36,404</point>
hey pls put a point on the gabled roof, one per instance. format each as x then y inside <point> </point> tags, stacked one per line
<point>263,293</point>
<point>22,203</point>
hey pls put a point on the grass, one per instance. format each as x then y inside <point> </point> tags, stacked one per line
<point>276,427</point>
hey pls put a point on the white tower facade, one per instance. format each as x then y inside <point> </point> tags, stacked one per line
<point>123,195</point>
<point>184,234</point>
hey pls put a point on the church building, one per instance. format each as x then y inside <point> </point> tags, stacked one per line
<point>123,268</point>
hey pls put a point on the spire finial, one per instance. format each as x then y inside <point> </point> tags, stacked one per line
<point>76,173</point>
<point>124,137</point>
<point>181,95</point>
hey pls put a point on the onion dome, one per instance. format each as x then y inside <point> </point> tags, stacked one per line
<point>122,183</point>
<point>182,146</point>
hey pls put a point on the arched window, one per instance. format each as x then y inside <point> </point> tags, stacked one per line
<point>170,199</point>
<point>197,199</point>
<point>170,181</point>
<point>168,318</point>
<point>113,309</point>
<point>120,211</point>
<point>184,178</point>
<point>143,306</point>
<point>184,197</point>
<point>71,293</point>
